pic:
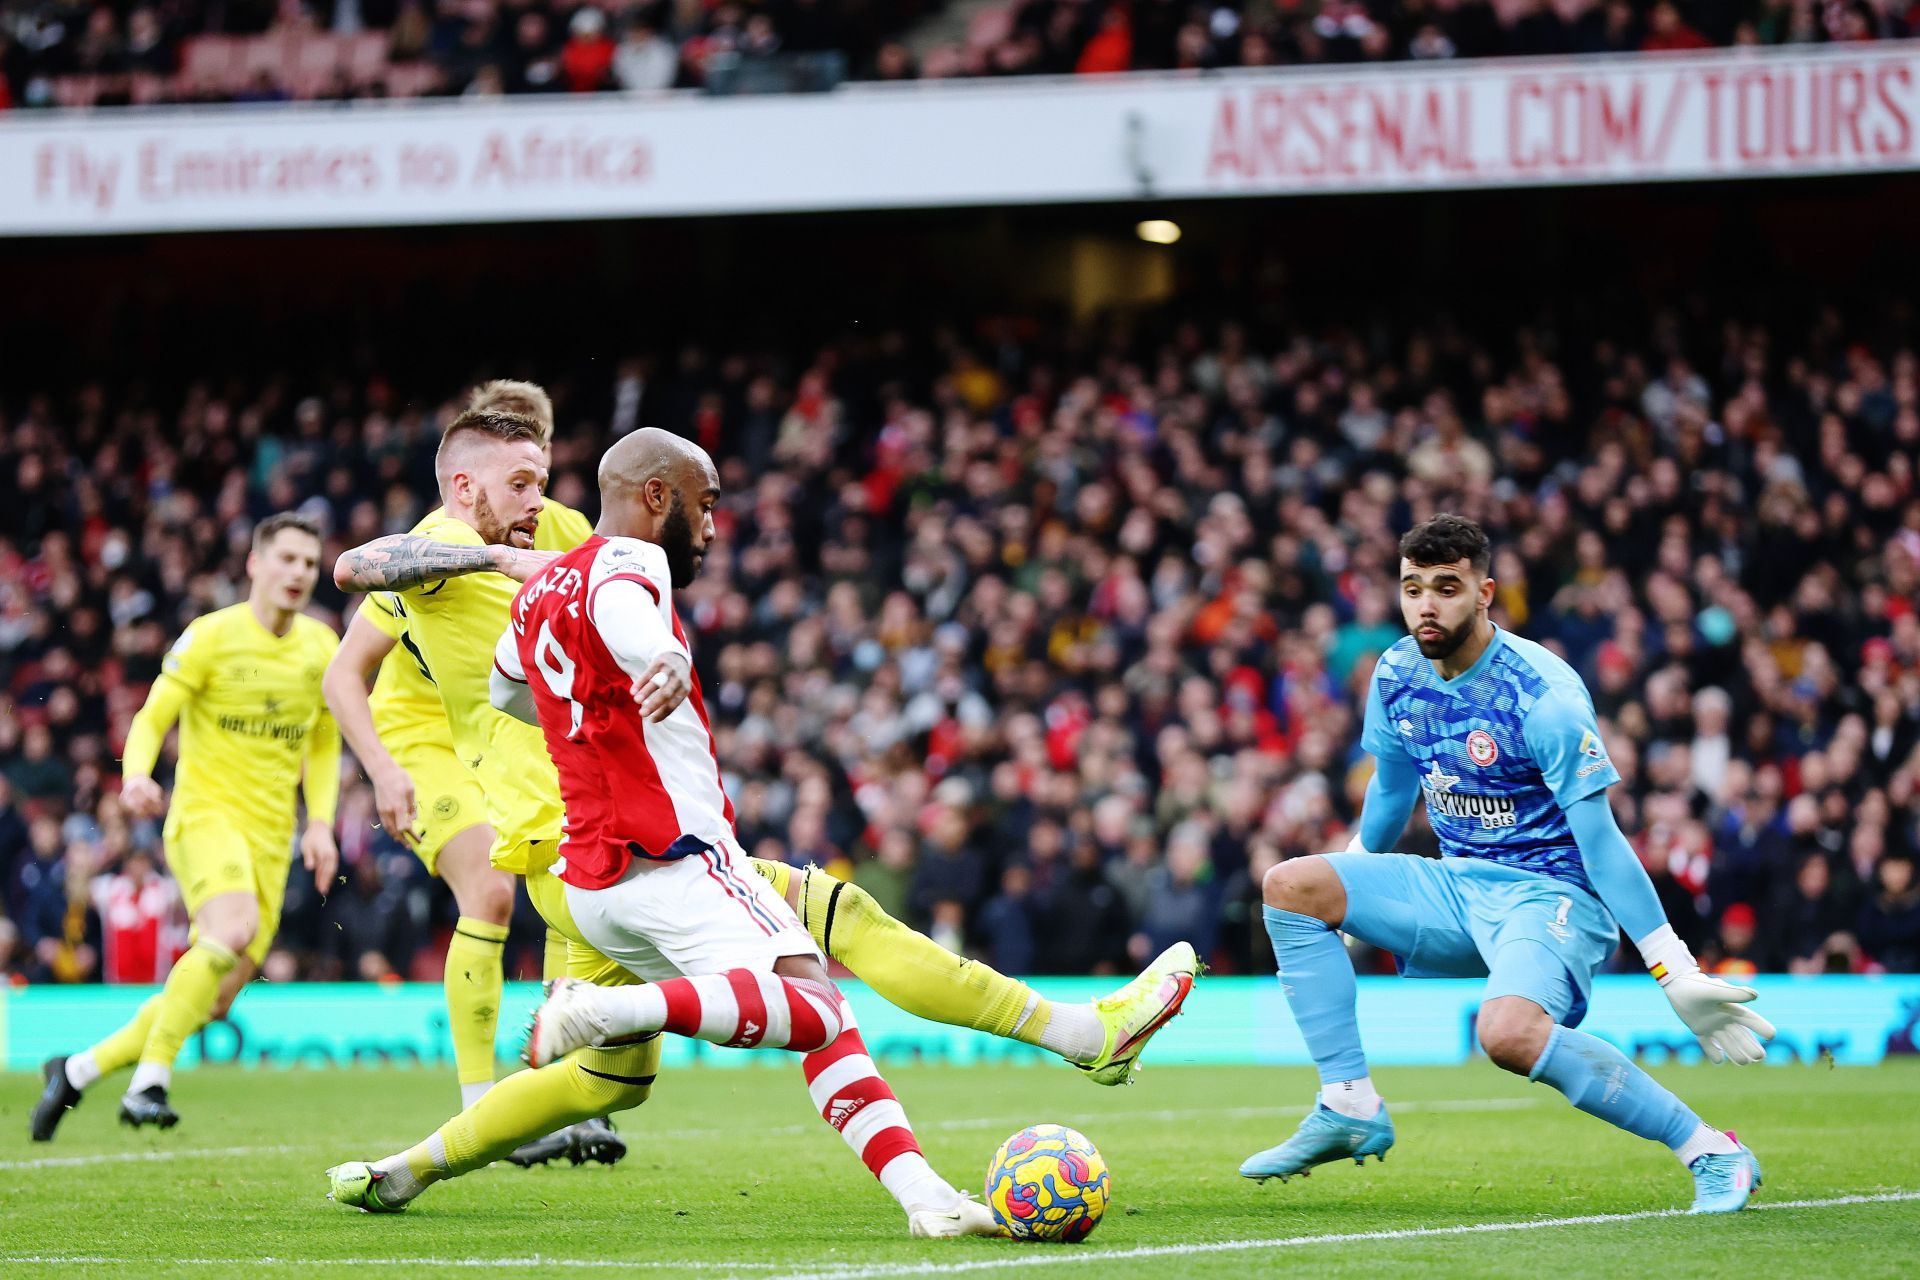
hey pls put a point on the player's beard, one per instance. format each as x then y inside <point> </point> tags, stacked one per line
<point>676,539</point>
<point>492,530</point>
<point>1449,642</point>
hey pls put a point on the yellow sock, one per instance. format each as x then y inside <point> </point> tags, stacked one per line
<point>911,970</point>
<point>186,1002</point>
<point>472,981</point>
<point>530,1104</point>
<point>122,1048</point>
<point>553,963</point>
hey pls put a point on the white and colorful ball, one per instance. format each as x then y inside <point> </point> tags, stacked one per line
<point>1047,1182</point>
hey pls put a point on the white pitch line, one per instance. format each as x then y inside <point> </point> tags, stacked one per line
<point>129,1157</point>
<point>678,1135</point>
<point>1037,1258</point>
<point>1103,1257</point>
<point>488,1264</point>
<point>1190,1113</point>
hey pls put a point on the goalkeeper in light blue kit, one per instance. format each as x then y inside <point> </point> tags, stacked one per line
<point>1500,734</point>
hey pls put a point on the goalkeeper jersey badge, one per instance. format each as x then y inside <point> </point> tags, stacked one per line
<point>1481,748</point>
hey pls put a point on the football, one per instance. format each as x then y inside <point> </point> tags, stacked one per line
<point>1047,1182</point>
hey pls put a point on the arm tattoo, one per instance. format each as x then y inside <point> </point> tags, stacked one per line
<point>405,560</point>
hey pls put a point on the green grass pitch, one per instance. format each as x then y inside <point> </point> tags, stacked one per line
<point>731,1175</point>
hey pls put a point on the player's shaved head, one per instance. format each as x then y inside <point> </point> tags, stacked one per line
<point>660,488</point>
<point>653,454</point>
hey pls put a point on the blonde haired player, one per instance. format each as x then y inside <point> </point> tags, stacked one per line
<point>244,682</point>
<point>431,802</point>
<point>901,965</point>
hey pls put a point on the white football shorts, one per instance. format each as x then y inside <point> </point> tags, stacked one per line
<point>705,913</point>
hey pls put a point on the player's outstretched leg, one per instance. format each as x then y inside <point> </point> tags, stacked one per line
<point>850,1095</point>
<point>739,1008</point>
<point>587,1084</point>
<point>1349,1121</point>
<point>908,969</point>
<point>1600,1080</point>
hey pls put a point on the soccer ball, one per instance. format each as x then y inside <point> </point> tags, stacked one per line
<point>1048,1183</point>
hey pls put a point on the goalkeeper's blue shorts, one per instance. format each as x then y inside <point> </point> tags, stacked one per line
<point>1529,935</point>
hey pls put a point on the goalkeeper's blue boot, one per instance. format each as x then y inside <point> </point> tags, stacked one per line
<point>1724,1183</point>
<point>1323,1137</point>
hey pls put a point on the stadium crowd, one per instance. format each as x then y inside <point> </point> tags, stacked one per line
<point>1056,646</point>
<point>71,52</point>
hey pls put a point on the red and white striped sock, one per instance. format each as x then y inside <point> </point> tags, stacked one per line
<point>851,1096</point>
<point>739,1008</point>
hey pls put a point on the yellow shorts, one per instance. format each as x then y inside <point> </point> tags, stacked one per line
<point>446,794</point>
<point>550,900</point>
<point>209,855</point>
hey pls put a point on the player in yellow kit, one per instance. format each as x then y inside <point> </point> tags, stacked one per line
<point>491,468</point>
<point>431,801</point>
<point>244,682</point>
<point>459,564</point>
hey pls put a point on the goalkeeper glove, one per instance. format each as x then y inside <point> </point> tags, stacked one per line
<point>1712,1009</point>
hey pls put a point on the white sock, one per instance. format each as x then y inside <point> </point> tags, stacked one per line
<point>1354,1098</point>
<point>148,1074</point>
<point>82,1070</point>
<point>1706,1141</point>
<point>1074,1032</point>
<point>472,1093</point>
<point>910,1180</point>
<point>629,1010</point>
<point>400,1184</point>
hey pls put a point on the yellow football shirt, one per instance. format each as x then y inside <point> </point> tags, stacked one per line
<point>405,704</point>
<point>251,714</point>
<point>561,528</point>
<point>454,624</point>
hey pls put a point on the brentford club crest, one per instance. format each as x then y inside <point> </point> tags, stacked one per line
<point>1481,749</point>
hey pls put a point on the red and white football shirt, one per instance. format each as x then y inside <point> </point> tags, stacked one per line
<point>631,789</point>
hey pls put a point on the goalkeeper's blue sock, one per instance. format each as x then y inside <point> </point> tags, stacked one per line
<point>1317,978</point>
<point>1601,1081</point>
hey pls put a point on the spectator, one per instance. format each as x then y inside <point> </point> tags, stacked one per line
<point>142,922</point>
<point>532,64</point>
<point>949,880</point>
<point>803,45</point>
<point>586,62</point>
<point>1111,48</point>
<point>1096,605</point>
<point>1007,927</point>
<point>38,773</point>
<point>1667,31</point>
<point>148,49</point>
<point>1712,748</point>
<point>645,61</point>
<point>1808,927</point>
<point>1183,903</point>
<point>1366,637</point>
<point>1735,952</point>
<point>1889,926</point>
